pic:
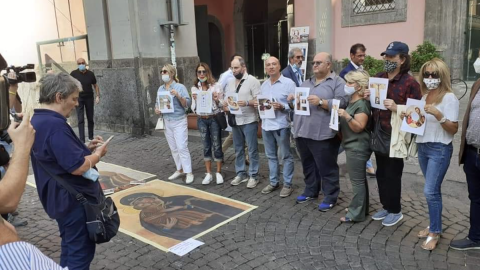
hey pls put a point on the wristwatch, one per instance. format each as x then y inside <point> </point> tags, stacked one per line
<point>320,103</point>
<point>443,120</point>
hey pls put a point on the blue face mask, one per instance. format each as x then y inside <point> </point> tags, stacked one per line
<point>82,67</point>
<point>294,66</point>
<point>91,174</point>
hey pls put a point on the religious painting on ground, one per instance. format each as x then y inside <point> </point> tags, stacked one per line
<point>114,178</point>
<point>164,214</point>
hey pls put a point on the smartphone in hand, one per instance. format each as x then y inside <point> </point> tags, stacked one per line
<point>109,139</point>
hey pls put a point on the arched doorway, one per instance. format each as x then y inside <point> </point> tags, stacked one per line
<point>217,46</point>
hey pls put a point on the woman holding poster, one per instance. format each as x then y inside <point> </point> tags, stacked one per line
<point>355,140</point>
<point>401,86</point>
<point>176,130</point>
<point>435,146</point>
<point>207,95</point>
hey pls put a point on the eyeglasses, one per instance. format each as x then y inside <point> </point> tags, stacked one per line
<point>434,75</point>
<point>201,72</point>
<point>164,71</point>
<point>299,57</point>
<point>317,63</point>
<point>82,63</point>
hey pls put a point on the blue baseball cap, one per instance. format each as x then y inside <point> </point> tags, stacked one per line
<point>395,48</point>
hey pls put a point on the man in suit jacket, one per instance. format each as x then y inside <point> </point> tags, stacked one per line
<point>357,57</point>
<point>470,156</point>
<point>293,71</point>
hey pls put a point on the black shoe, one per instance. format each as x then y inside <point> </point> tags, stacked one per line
<point>464,244</point>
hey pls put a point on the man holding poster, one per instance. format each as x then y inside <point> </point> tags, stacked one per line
<point>276,131</point>
<point>317,143</point>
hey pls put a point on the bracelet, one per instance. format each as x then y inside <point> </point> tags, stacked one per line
<point>349,120</point>
<point>12,93</point>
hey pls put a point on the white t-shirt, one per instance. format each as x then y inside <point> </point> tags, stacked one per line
<point>433,129</point>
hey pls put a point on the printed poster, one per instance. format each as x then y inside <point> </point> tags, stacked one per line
<point>334,115</point>
<point>299,34</point>
<point>415,117</point>
<point>378,92</point>
<point>165,102</point>
<point>302,107</point>
<point>204,102</point>
<point>232,101</point>
<point>265,107</point>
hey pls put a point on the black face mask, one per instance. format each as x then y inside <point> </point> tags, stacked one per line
<point>3,63</point>
<point>239,76</point>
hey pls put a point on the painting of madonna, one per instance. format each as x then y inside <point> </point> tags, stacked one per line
<point>178,217</point>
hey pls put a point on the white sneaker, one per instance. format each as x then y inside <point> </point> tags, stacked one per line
<point>208,178</point>
<point>252,182</point>
<point>219,178</point>
<point>238,180</point>
<point>175,175</point>
<point>189,178</point>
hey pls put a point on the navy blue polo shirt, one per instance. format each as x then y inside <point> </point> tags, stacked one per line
<point>60,150</point>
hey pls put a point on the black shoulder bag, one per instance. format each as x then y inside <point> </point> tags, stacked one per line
<point>231,117</point>
<point>380,139</point>
<point>103,220</point>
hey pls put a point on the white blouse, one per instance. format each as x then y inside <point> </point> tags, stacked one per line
<point>433,129</point>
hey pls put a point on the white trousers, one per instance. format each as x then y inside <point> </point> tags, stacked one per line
<point>176,132</point>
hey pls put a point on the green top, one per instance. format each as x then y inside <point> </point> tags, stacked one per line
<point>350,139</point>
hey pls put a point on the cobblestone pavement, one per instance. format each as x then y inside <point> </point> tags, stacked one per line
<point>280,234</point>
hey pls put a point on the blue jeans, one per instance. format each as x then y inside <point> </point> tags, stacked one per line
<point>241,134</point>
<point>280,138</point>
<point>211,136</point>
<point>77,248</point>
<point>472,171</point>
<point>434,159</point>
<point>320,168</point>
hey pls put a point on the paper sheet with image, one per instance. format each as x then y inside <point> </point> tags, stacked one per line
<point>165,102</point>
<point>265,107</point>
<point>204,101</point>
<point>334,115</point>
<point>415,117</point>
<point>185,247</point>
<point>301,105</point>
<point>232,103</point>
<point>378,92</point>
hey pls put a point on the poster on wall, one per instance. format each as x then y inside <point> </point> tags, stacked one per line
<point>299,34</point>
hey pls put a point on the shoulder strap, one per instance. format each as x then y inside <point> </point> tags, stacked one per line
<point>240,85</point>
<point>78,196</point>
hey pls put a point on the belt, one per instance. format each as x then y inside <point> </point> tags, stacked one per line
<point>206,116</point>
<point>477,150</point>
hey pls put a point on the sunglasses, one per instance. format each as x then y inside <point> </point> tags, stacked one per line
<point>82,63</point>
<point>164,71</point>
<point>299,57</point>
<point>201,72</point>
<point>434,75</point>
<point>317,63</point>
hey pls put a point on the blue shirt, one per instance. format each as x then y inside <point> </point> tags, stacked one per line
<point>279,91</point>
<point>178,110</point>
<point>25,256</point>
<point>61,152</point>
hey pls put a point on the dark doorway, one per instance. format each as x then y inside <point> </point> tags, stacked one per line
<point>266,31</point>
<point>202,30</point>
<point>216,54</point>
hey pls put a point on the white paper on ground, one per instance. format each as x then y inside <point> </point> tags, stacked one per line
<point>185,247</point>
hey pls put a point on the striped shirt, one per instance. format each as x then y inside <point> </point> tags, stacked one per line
<point>24,256</point>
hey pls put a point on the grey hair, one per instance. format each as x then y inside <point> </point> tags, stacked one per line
<point>329,58</point>
<point>292,51</point>
<point>62,83</point>
<point>241,61</point>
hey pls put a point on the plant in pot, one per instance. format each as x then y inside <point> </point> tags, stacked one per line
<point>424,53</point>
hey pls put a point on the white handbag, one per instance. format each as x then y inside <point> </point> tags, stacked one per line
<point>160,123</point>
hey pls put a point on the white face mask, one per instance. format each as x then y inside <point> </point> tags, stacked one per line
<point>431,83</point>
<point>349,90</point>
<point>165,78</point>
<point>476,66</point>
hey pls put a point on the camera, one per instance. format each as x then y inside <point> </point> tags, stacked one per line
<point>29,76</point>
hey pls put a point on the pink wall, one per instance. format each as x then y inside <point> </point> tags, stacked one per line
<point>304,15</point>
<point>223,11</point>
<point>377,37</point>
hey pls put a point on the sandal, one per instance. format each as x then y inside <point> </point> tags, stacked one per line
<point>346,220</point>
<point>431,242</point>
<point>424,233</point>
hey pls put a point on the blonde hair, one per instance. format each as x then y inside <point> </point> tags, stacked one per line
<point>359,77</point>
<point>171,71</point>
<point>443,72</point>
